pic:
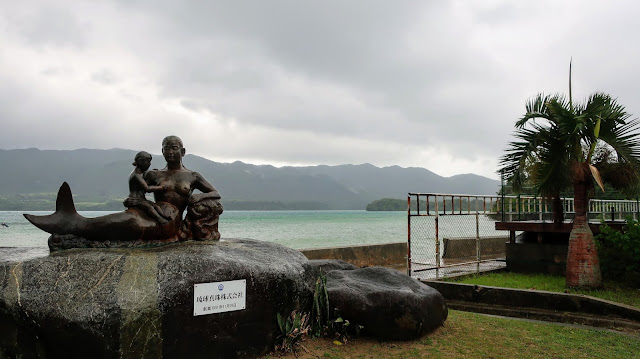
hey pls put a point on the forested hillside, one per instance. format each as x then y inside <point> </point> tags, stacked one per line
<point>100,176</point>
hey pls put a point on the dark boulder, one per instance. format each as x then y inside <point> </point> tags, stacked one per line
<point>325,266</point>
<point>387,303</point>
<point>113,303</point>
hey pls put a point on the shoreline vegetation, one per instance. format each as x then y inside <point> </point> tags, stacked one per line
<point>394,204</point>
<point>388,204</point>
<point>47,202</point>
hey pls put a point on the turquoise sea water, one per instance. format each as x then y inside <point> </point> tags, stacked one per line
<point>295,229</point>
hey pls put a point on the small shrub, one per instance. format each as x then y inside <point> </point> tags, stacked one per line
<point>293,329</point>
<point>321,324</point>
<point>619,253</point>
<point>320,309</point>
<point>343,330</point>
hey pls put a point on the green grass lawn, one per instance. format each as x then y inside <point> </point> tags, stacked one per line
<point>471,335</point>
<point>612,291</point>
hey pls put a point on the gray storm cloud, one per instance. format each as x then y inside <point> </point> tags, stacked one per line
<point>413,83</point>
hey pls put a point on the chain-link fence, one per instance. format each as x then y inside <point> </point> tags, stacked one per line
<point>453,234</point>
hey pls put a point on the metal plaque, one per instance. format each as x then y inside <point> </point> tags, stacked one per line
<point>219,297</point>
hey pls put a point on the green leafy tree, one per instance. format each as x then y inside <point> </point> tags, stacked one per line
<point>620,253</point>
<point>556,142</point>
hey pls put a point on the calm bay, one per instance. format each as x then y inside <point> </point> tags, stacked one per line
<point>295,229</point>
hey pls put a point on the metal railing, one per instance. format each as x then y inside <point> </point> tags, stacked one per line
<point>451,234</point>
<point>519,208</point>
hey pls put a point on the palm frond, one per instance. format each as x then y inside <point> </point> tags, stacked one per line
<point>568,135</point>
<point>536,108</point>
<point>623,139</point>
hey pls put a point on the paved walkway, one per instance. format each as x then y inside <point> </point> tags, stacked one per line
<point>454,271</point>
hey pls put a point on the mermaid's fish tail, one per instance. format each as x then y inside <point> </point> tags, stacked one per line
<point>65,220</point>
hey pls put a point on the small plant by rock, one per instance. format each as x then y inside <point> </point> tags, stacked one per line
<point>343,330</point>
<point>320,309</point>
<point>297,326</point>
<point>293,329</point>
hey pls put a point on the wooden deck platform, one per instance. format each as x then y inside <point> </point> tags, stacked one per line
<point>541,227</point>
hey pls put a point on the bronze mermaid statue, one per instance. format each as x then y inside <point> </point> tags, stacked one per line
<point>135,226</point>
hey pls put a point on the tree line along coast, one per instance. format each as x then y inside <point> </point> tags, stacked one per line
<point>47,202</point>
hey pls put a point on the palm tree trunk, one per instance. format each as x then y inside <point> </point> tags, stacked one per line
<point>558,210</point>
<point>583,266</point>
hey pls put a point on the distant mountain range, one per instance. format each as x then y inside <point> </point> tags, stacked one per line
<point>104,173</point>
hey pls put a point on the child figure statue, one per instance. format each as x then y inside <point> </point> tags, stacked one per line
<point>138,187</point>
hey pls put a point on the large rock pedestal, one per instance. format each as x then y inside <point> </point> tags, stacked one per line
<point>388,304</point>
<point>139,303</point>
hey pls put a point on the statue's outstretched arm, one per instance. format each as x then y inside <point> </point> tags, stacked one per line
<point>207,189</point>
<point>143,184</point>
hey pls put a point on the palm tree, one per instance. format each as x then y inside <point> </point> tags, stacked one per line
<point>556,140</point>
<point>535,155</point>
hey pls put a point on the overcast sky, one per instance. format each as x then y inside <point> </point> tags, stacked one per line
<point>433,84</point>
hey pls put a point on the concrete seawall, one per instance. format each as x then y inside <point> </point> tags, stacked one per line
<point>466,247</point>
<point>392,255</point>
<point>538,305</point>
